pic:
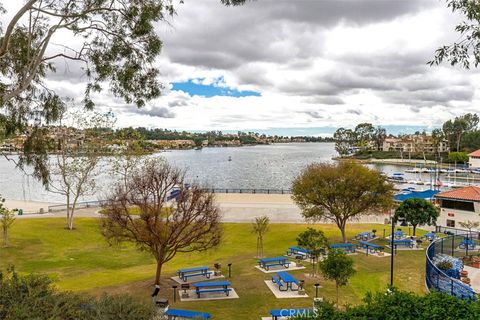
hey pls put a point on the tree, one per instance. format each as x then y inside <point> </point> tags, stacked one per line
<point>417,212</point>
<point>189,223</point>
<point>7,217</point>
<point>337,266</point>
<point>455,129</point>
<point>76,162</point>
<point>469,225</point>
<point>458,157</point>
<point>470,141</point>
<point>379,136</point>
<point>344,140</point>
<point>111,43</point>
<point>260,227</point>
<point>364,133</point>
<point>437,137</point>
<point>26,297</point>
<point>341,192</point>
<point>315,241</point>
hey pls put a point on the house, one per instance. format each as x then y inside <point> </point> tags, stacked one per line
<point>458,205</point>
<point>416,143</point>
<point>474,159</point>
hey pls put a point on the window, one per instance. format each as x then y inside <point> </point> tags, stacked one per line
<point>458,205</point>
<point>451,223</point>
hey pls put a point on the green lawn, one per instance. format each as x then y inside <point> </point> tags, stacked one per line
<point>81,260</point>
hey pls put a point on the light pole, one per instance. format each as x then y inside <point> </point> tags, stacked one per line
<point>317,285</point>
<point>229,270</point>
<point>174,293</point>
<point>392,236</point>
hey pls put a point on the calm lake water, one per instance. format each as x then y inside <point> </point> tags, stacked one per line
<point>252,167</point>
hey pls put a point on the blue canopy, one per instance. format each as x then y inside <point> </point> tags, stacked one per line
<point>427,195</point>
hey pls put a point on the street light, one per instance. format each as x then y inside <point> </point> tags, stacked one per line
<point>229,270</point>
<point>392,236</point>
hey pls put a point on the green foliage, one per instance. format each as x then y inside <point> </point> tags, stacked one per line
<point>417,212</point>
<point>344,140</point>
<point>340,192</point>
<point>7,217</point>
<point>470,141</point>
<point>456,128</point>
<point>458,157</point>
<point>313,240</point>
<point>444,265</point>
<point>260,227</point>
<point>34,297</point>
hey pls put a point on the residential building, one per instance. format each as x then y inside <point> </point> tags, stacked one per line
<point>474,159</point>
<point>415,144</point>
<point>458,205</point>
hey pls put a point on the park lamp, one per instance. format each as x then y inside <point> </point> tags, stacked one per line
<point>317,285</point>
<point>174,293</point>
<point>230,270</point>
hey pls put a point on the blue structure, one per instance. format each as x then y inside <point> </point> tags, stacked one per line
<point>427,195</point>
<point>186,314</point>
<point>446,281</point>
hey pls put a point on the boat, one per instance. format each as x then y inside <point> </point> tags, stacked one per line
<point>397,177</point>
<point>229,158</point>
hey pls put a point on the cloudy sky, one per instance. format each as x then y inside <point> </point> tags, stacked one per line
<point>302,67</point>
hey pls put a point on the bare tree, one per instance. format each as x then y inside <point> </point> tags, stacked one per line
<point>7,217</point>
<point>75,164</point>
<point>189,223</point>
<point>260,227</point>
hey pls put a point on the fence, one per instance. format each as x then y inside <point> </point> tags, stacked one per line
<point>436,279</point>
<point>79,205</point>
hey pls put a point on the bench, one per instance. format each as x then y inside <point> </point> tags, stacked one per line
<point>364,236</point>
<point>430,236</point>
<point>288,279</point>
<point>186,314</point>
<point>184,274</point>
<point>285,313</point>
<point>271,262</point>
<point>406,243</point>
<point>298,251</point>
<point>279,283</point>
<point>348,247</point>
<point>216,286</point>
<point>373,248</point>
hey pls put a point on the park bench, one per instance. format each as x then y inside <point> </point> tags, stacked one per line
<point>215,286</point>
<point>184,274</point>
<point>467,244</point>
<point>364,236</point>
<point>186,314</point>
<point>266,263</point>
<point>347,247</point>
<point>406,243</point>
<point>279,283</point>
<point>286,313</point>
<point>298,252</point>
<point>368,246</point>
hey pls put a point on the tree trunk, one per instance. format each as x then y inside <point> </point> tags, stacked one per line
<point>5,237</point>
<point>414,229</point>
<point>336,285</point>
<point>68,212</point>
<point>343,231</point>
<point>158,273</point>
<point>261,246</point>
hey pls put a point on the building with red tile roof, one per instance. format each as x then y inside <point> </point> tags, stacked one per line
<point>474,159</point>
<point>458,205</point>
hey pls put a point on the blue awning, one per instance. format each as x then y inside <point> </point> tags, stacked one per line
<point>427,195</point>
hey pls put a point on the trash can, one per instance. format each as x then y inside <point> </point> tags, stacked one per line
<point>20,212</point>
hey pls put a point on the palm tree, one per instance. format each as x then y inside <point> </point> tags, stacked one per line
<point>260,227</point>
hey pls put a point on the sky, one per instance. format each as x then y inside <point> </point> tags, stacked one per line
<point>300,67</point>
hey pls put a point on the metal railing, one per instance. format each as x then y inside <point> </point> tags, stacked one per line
<point>436,279</point>
<point>79,205</point>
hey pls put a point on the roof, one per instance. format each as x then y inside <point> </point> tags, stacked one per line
<point>427,195</point>
<point>475,153</point>
<point>470,193</point>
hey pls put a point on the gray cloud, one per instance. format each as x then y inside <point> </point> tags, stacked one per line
<point>160,112</point>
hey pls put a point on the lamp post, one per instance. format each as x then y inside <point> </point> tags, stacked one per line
<point>174,293</point>
<point>317,285</point>
<point>392,236</point>
<point>229,270</point>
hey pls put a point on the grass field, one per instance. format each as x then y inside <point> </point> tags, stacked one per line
<point>81,260</point>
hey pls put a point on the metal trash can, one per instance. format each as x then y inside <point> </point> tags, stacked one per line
<point>20,212</point>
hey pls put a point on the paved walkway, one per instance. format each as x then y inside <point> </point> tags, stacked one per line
<point>239,208</point>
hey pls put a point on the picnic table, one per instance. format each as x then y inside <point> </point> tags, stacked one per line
<point>364,236</point>
<point>282,313</point>
<point>405,242</point>
<point>368,246</point>
<point>467,244</point>
<point>289,280</point>
<point>266,263</point>
<point>186,314</point>
<point>184,274</point>
<point>298,251</point>
<point>348,247</point>
<point>430,236</point>
<point>398,234</point>
<point>213,286</point>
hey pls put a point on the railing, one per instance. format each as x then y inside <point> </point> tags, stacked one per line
<point>436,279</point>
<point>79,205</point>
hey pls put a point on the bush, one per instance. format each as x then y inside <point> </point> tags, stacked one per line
<point>34,297</point>
<point>444,265</point>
